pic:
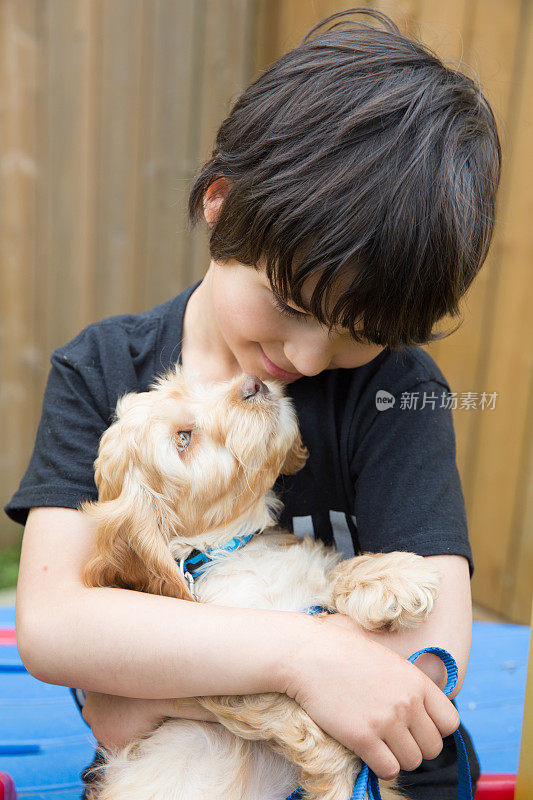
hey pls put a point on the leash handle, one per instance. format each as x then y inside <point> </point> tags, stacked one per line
<point>367,781</point>
<point>448,661</point>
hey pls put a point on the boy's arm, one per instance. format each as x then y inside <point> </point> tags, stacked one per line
<point>449,625</point>
<point>110,640</point>
<point>122,642</point>
<point>115,721</point>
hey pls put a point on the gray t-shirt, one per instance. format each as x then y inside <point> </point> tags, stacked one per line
<point>381,475</point>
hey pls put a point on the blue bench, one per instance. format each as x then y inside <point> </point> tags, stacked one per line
<point>44,741</point>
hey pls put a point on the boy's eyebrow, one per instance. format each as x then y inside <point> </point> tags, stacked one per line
<point>304,308</point>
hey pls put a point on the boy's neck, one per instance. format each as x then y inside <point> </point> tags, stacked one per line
<point>203,348</point>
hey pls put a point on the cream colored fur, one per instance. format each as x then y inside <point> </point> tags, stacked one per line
<point>155,505</point>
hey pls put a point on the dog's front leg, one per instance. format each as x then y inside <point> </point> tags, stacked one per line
<point>385,590</point>
<point>328,770</point>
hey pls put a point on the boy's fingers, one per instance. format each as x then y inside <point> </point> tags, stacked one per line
<point>406,750</point>
<point>442,711</point>
<point>380,759</point>
<point>426,733</point>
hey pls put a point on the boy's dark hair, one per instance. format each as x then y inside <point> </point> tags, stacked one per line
<point>359,153</point>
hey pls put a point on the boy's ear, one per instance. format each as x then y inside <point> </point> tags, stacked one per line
<point>214,196</point>
<point>295,458</point>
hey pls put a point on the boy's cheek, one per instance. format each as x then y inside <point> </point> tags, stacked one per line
<point>245,316</point>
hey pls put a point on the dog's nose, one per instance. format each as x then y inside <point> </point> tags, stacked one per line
<point>252,386</point>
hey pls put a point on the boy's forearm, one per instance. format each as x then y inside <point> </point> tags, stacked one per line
<point>405,643</point>
<point>449,625</point>
<point>109,640</point>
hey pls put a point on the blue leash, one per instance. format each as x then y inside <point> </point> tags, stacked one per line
<point>367,781</point>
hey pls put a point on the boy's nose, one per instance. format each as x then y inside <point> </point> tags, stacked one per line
<point>310,360</point>
<point>252,386</point>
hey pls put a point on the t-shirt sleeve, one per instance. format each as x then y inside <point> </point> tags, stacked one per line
<point>60,472</point>
<point>408,493</point>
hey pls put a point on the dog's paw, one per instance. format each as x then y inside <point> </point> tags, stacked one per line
<point>389,590</point>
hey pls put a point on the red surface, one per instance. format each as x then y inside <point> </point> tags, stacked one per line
<point>7,787</point>
<point>496,787</point>
<point>7,636</point>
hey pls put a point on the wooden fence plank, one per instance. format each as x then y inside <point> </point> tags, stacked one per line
<point>520,554</point>
<point>166,164</point>
<point>18,174</point>
<point>69,292</point>
<point>506,362</point>
<point>524,778</point>
<point>118,123</point>
<point>224,75</point>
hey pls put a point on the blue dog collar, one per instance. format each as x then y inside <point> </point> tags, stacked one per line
<point>198,561</point>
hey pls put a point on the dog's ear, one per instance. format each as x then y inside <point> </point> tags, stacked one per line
<point>295,458</point>
<point>130,550</point>
<point>133,524</point>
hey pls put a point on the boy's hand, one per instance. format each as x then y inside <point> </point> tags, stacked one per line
<point>370,699</point>
<point>115,721</point>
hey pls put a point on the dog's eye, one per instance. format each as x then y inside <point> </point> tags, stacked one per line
<point>183,439</point>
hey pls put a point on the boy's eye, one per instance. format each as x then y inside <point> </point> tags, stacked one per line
<point>288,310</point>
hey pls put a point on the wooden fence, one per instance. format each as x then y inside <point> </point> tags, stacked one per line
<point>107,108</point>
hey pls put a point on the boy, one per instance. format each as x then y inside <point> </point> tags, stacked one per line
<point>350,199</point>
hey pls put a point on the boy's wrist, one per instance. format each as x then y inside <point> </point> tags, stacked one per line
<point>298,643</point>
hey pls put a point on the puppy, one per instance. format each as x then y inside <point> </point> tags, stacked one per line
<point>188,466</point>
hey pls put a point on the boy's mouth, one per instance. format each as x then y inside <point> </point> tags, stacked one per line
<point>278,372</point>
